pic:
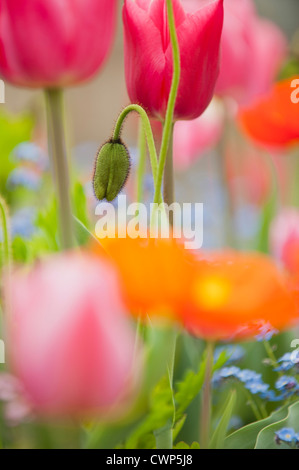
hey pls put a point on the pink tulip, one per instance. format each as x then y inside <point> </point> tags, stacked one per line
<point>148,54</point>
<point>70,344</point>
<point>51,43</point>
<point>252,52</point>
<point>284,239</point>
<point>193,138</point>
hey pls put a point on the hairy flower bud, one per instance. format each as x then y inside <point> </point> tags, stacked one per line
<point>111,170</point>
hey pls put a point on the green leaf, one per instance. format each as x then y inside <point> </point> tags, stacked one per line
<point>219,435</point>
<point>266,437</point>
<point>13,131</point>
<point>178,426</point>
<point>183,445</point>
<point>159,416</point>
<point>80,203</point>
<point>190,386</point>
<point>245,438</point>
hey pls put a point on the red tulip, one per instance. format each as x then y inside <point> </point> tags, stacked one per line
<point>70,344</point>
<point>148,54</point>
<point>53,43</point>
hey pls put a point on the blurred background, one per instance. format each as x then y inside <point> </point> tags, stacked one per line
<point>93,108</point>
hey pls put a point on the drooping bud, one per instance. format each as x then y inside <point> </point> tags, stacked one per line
<point>111,170</point>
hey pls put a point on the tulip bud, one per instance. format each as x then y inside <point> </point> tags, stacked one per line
<point>111,170</point>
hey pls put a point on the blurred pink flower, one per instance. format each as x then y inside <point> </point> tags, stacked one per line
<point>69,341</point>
<point>16,410</point>
<point>249,174</point>
<point>252,52</point>
<point>148,54</point>
<point>50,43</point>
<point>284,238</point>
<point>193,138</point>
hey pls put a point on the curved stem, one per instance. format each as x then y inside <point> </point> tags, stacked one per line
<point>141,164</point>
<point>168,125</point>
<point>57,148</point>
<point>147,130</point>
<point>205,417</point>
<point>6,234</point>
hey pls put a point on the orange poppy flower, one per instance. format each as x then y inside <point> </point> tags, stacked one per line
<point>155,273</point>
<point>235,294</point>
<point>274,119</point>
<point>227,296</point>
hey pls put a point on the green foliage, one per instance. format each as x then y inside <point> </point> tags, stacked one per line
<point>290,68</point>
<point>265,438</point>
<point>13,131</point>
<point>246,437</point>
<point>190,386</point>
<point>183,445</point>
<point>219,435</point>
<point>160,415</point>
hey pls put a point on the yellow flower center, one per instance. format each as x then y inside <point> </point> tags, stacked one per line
<point>211,292</point>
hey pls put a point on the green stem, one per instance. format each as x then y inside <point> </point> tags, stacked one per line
<point>58,154</point>
<point>206,406</point>
<point>168,124</point>
<point>141,164</point>
<point>271,355</point>
<point>6,234</point>
<point>164,437</point>
<point>147,130</point>
<point>168,181</point>
<point>253,405</point>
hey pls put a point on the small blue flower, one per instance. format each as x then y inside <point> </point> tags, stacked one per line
<point>286,383</point>
<point>288,361</point>
<point>287,435</point>
<point>22,223</point>
<point>257,387</point>
<point>247,375</point>
<point>225,373</point>
<point>24,177</point>
<point>266,332</point>
<point>235,353</point>
<point>30,152</point>
<point>270,395</point>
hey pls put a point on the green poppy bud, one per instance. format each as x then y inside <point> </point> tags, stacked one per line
<point>111,170</point>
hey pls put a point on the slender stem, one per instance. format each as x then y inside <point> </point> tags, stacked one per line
<point>54,98</point>
<point>271,356</point>
<point>141,164</point>
<point>168,124</point>
<point>147,130</point>
<point>164,437</point>
<point>168,182</point>
<point>205,417</point>
<point>6,234</point>
<point>253,405</point>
